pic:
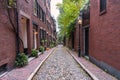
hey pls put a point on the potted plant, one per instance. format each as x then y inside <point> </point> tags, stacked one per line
<point>21,60</point>
<point>41,49</point>
<point>34,53</point>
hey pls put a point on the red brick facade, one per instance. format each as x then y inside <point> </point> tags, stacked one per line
<point>29,29</point>
<point>7,40</point>
<point>104,33</point>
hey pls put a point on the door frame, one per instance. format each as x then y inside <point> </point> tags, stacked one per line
<point>35,27</point>
<point>84,40</point>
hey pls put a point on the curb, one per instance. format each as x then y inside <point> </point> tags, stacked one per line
<point>35,71</point>
<point>85,69</point>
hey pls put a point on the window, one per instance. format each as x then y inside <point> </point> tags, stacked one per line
<point>40,33</point>
<point>27,1</point>
<point>40,13</point>
<point>48,1</point>
<point>102,6</point>
<point>38,10</point>
<point>45,19</point>
<point>44,2</point>
<point>43,16</point>
<point>35,7</point>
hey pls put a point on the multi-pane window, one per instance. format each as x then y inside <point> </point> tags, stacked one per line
<point>44,2</point>
<point>43,16</point>
<point>45,35</point>
<point>35,7</point>
<point>40,33</point>
<point>48,2</point>
<point>102,5</point>
<point>38,11</point>
<point>38,6</point>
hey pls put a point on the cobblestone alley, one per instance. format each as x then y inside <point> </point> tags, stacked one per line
<point>61,66</point>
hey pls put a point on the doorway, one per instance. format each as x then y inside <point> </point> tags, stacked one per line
<point>24,30</point>
<point>35,36</point>
<point>72,40</point>
<point>86,41</point>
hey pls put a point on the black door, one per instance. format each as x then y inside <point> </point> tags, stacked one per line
<point>86,41</point>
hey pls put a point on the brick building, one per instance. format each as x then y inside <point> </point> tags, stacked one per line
<point>104,31</point>
<point>99,34</point>
<point>100,37</point>
<point>32,23</point>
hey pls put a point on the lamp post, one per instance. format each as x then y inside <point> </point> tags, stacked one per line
<point>79,23</point>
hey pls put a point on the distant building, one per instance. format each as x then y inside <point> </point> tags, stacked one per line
<point>34,25</point>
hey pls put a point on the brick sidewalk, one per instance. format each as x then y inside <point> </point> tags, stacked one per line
<point>25,72</point>
<point>93,70</point>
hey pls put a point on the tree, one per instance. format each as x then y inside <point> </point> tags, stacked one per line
<point>69,11</point>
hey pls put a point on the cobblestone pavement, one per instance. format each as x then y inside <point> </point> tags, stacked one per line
<point>61,66</point>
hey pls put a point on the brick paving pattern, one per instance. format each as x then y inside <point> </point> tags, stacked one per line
<point>96,71</point>
<point>24,72</point>
<point>61,66</point>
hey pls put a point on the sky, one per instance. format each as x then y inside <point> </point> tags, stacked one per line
<point>54,10</point>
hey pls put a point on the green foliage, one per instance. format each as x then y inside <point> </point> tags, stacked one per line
<point>59,38</point>
<point>69,11</point>
<point>41,49</point>
<point>70,29</point>
<point>21,60</point>
<point>34,53</point>
<point>44,41</point>
<point>52,44</point>
<point>11,3</point>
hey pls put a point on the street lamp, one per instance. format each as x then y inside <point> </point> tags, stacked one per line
<point>80,24</point>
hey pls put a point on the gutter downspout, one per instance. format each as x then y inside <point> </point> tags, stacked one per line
<point>17,29</point>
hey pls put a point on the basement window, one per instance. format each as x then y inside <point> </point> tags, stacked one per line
<point>102,7</point>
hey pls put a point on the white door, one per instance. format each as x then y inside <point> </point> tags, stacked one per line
<point>24,32</point>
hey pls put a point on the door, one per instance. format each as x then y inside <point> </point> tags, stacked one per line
<point>87,41</point>
<point>24,34</point>
<point>35,34</point>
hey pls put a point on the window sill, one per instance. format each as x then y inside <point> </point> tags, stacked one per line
<point>35,14</point>
<point>103,12</point>
<point>27,1</point>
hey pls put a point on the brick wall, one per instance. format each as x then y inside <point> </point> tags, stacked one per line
<point>7,41</point>
<point>7,37</point>
<point>105,33</point>
<point>77,36</point>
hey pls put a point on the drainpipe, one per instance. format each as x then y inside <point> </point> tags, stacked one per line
<point>17,29</point>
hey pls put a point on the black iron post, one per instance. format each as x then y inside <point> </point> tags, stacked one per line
<point>17,27</point>
<point>80,25</point>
